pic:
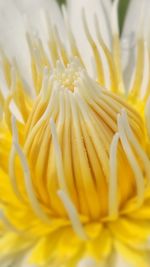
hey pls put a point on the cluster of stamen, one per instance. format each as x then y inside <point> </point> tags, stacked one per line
<point>79,137</point>
<point>77,144</point>
<point>67,76</point>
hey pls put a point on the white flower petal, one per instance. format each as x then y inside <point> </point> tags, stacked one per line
<point>137,18</point>
<point>128,40</point>
<point>3,86</point>
<point>91,8</point>
<point>12,37</point>
<point>17,17</point>
<point>132,17</point>
<point>136,24</point>
<point>35,11</point>
<point>128,57</point>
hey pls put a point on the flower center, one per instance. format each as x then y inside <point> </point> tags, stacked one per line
<point>67,76</point>
<point>80,141</point>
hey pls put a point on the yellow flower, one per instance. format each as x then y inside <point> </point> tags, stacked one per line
<point>74,135</point>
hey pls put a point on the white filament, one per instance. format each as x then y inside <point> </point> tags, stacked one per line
<point>146,71</point>
<point>48,110</point>
<point>12,175</point>
<point>1,112</point>
<point>63,192</point>
<point>140,152</point>
<point>44,82</point>
<point>113,201</point>
<point>115,24</point>
<point>147,116</point>
<point>7,222</point>
<point>73,215</point>
<point>13,79</point>
<point>59,164</point>
<point>16,112</point>
<point>132,160</point>
<point>87,262</point>
<point>28,182</point>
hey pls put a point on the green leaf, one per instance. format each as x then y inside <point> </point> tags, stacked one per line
<point>123,5</point>
<point>61,1</point>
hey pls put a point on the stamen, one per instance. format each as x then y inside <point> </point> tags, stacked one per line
<point>116,46</point>
<point>78,120</point>
<point>87,262</point>
<point>27,177</point>
<point>60,66</point>
<point>111,82</point>
<point>43,118</point>
<point>38,60</point>
<point>43,55</point>
<point>132,160</point>
<point>72,41</point>
<point>138,75</point>
<point>16,112</point>
<point>101,152</point>
<point>52,42</point>
<point>13,79</point>
<point>59,164</point>
<point>140,152</point>
<point>73,215</point>
<point>11,102</point>
<point>147,116</point>
<point>12,175</point>
<point>43,91</point>
<point>113,194</point>
<point>6,222</point>
<point>1,112</point>
<point>115,24</point>
<point>93,97</point>
<point>63,55</point>
<point>33,63</point>
<point>140,28</point>
<point>6,66</point>
<point>98,58</point>
<point>1,98</point>
<point>145,91</point>
<point>86,174</point>
<point>9,97</point>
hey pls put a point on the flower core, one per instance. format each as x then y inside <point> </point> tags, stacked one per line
<point>67,76</point>
<point>74,152</point>
<point>77,155</point>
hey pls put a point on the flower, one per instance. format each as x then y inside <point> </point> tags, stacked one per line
<point>74,136</point>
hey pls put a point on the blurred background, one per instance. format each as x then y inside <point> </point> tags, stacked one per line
<point>123,4</point>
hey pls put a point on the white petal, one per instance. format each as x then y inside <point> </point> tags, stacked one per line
<point>12,37</point>
<point>91,8</point>
<point>35,10</point>
<point>107,5</point>
<point>128,57</point>
<point>132,17</point>
<point>136,24</point>
<point>137,17</point>
<point>20,16</point>
<point>3,86</point>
